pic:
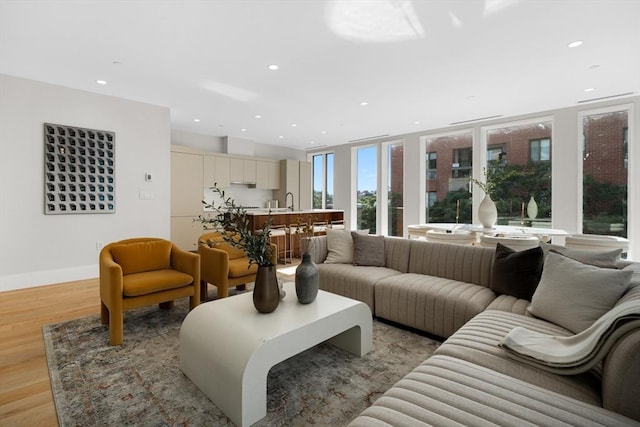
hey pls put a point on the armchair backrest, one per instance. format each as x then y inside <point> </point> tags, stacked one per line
<point>140,255</point>
<point>215,240</point>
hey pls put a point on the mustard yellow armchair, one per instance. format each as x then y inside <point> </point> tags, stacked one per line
<point>225,266</point>
<point>144,271</point>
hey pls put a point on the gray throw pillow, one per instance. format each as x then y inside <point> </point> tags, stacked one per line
<point>607,259</point>
<point>368,249</point>
<point>574,295</point>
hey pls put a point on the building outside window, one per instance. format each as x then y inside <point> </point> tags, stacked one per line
<point>448,167</point>
<point>605,172</point>
<point>540,150</point>
<point>519,164</point>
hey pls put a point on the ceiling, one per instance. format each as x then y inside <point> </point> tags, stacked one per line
<point>417,64</point>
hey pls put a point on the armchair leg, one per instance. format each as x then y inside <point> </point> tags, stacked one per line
<point>116,326</point>
<point>204,290</point>
<point>104,314</point>
<point>166,305</point>
<point>223,291</point>
<point>241,287</point>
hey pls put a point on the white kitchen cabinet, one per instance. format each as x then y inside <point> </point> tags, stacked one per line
<point>242,171</point>
<point>216,170</point>
<point>186,184</point>
<point>267,174</point>
<point>295,178</point>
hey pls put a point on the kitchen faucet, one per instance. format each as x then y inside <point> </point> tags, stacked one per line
<point>285,200</point>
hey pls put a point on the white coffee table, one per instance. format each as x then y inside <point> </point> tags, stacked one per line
<point>227,348</point>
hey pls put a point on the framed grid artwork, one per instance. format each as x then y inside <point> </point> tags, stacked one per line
<point>79,170</point>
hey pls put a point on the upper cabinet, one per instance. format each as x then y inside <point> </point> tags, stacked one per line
<point>216,170</point>
<point>267,174</point>
<point>242,171</point>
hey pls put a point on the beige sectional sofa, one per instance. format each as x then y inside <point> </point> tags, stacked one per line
<point>445,290</point>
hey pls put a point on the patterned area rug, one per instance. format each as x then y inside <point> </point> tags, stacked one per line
<point>140,382</point>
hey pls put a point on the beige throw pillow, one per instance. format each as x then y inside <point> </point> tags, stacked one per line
<point>574,295</point>
<point>340,246</point>
<point>607,259</point>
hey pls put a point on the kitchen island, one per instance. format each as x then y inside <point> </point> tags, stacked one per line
<point>286,217</point>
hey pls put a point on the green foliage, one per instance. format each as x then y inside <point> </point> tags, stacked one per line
<point>367,212</point>
<point>603,199</point>
<point>235,222</point>
<point>445,210</point>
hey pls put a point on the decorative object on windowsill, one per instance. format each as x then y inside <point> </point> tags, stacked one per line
<point>532,208</point>
<point>487,211</point>
<point>307,281</point>
<point>235,222</point>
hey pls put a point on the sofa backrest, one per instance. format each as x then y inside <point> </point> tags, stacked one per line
<point>396,253</point>
<point>471,264</point>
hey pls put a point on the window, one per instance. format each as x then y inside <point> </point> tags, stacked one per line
<point>462,163</point>
<point>625,150</point>
<point>540,150</point>
<point>605,173</point>
<point>432,166</point>
<point>395,188</point>
<point>527,174</point>
<point>322,164</point>
<point>448,159</point>
<point>366,187</point>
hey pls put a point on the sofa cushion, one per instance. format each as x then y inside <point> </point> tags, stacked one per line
<point>607,259</point>
<point>477,342</point>
<point>368,249</point>
<point>433,304</point>
<point>516,273</point>
<point>444,391</point>
<point>138,257</point>
<point>138,284</point>
<point>352,281</point>
<point>469,264</point>
<point>574,295</point>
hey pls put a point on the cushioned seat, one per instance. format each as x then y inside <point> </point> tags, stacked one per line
<point>144,271</point>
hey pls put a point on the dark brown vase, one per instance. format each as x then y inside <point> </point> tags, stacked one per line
<point>266,294</point>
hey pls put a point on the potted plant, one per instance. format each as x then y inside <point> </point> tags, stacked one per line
<point>233,222</point>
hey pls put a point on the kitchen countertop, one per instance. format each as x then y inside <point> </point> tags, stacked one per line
<point>286,211</point>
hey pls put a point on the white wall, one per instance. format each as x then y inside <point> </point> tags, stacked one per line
<point>566,174</point>
<point>38,249</point>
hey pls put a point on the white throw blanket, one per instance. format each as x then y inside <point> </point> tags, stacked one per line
<point>572,352</point>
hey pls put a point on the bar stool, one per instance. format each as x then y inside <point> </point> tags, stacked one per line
<point>295,230</point>
<point>276,233</point>
<point>337,224</point>
<point>319,228</point>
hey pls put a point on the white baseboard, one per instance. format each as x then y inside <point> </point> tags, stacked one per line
<point>47,277</point>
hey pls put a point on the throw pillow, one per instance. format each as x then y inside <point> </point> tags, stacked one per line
<point>516,273</point>
<point>138,257</point>
<point>607,259</point>
<point>340,246</point>
<point>368,249</point>
<point>574,295</point>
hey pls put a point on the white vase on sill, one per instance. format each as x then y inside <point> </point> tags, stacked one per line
<point>487,212</point>
<point>532,209</point>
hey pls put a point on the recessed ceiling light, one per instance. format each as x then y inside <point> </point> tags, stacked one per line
<point>281,137</point>
<point>293,125</point>
<point>363,103</point>
<point>575,43</point>
<point>196,120</point>
<point>323,132</point>
<point>312,142</point>
<point>416,123</point>
<point>101,82</point>
<point>273,67</point>
<point>258,116</point>
<point>589,89</point>
<point>243,130</point>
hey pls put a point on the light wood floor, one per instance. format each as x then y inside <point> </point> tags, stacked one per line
<point>25,390</point>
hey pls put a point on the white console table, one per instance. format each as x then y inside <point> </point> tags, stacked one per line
<point>227,348</point>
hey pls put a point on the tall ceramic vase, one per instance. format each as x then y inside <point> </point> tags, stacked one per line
<point>266,293</point>
<point>307,282</point>
<point>487,212</point>
<point>532,208</point>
